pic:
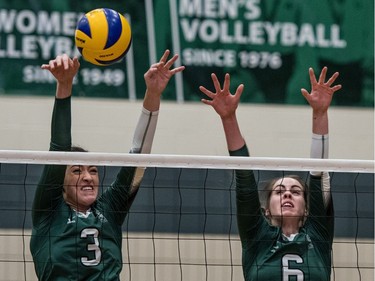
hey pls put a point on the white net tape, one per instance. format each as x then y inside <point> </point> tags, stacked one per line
<point>187,161</point>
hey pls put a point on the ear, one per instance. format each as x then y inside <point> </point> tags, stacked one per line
<point>267,213</point>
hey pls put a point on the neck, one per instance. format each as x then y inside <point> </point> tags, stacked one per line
<point>288,226</point>
<point>288,230</point>
<point>78,208</point>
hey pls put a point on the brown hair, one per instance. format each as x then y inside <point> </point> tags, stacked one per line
<point>77,149</point>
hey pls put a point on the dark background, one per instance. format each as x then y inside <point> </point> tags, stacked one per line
<point>196,201</point>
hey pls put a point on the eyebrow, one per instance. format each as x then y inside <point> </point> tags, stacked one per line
<point>79,166</point>
<point>292,187</point>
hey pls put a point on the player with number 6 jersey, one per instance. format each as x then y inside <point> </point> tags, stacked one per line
<point>291,236</point>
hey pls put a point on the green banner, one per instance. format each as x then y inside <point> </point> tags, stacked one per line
<point>34,32</point>
<point>268,45</point>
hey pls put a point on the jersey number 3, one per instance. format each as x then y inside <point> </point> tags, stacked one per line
<point>94,247</point>
<point>289,272</point>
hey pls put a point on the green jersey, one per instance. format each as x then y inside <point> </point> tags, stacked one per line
<point>69,245</point>
<point>266,253</point>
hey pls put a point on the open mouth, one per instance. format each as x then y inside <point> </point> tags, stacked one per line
<point>287,205</point>
<point>87,188</point>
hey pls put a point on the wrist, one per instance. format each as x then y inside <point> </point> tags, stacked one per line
<point>320,124</point>
<point>151,101</point>
<point>231,118</point>
<point>319,113</point>
<point>63,90</point>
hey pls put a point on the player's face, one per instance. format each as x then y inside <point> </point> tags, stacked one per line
<point>287,200</point>
<point>81,185</point>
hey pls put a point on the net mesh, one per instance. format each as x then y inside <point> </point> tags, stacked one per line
<point>182,224</point>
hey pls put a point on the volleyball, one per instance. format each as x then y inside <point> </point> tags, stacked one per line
<point>103,36</point>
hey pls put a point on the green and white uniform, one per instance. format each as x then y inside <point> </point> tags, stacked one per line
<point>69,245</point>
<point>266,253</point>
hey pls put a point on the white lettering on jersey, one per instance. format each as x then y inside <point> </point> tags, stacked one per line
<point>92,247</point>
<point>288,272</point>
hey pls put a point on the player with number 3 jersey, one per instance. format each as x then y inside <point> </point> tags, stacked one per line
<point>77,231</point>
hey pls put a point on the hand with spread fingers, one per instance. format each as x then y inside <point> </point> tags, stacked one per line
<point>159,74</point>
<point>320,99</point>
<point>224,103</point>
<point>157,78</point>
<point>322,92</point>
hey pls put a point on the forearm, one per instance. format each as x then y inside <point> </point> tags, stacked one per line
<point>61,125</point>
<point>247,199</point>
<point>320,150</point>
<point>126,185</point>
<point>145,131</point>
<point>232,133</point>
<point>142,142</point>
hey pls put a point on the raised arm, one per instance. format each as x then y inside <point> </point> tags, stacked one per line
<point>156,79</point>
<point>64,70</point>
<point>247,198</point>
<point>320,99</point>
<point>49,190</point>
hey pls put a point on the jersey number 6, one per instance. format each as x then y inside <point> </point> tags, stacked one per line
<point>287,272</point>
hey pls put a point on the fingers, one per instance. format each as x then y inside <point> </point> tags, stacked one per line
<point>226,82</point>
<point>332,79</point>
<point>76,63</point>
<point>171,61</point>
<point>322,79</point>
<point>165,65</point>
<point>61,61</point>
<point>239,91</point>
<point>207,92</point>
<point>336,88</point>
<point>165,56</point>
<point>208,102</point>
<point>216,83</point>
<point>177,69</point>
<point>305,93</point>
<point>157,65</point>
<point>312,76</point>
<point>221,92</point>
<point>322,76</point>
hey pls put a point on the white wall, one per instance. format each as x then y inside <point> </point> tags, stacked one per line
<point>202,258</point>
<point>105,125</point>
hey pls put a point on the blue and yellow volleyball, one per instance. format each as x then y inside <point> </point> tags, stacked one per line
<point>103,36</point>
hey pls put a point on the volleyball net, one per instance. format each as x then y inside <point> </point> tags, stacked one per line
<point>182,224</point>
